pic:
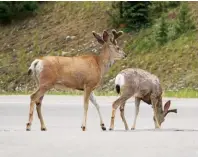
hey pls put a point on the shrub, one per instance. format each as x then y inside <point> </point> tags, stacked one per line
<point>10,10</point>
<point>132,14</point>
<point>184,21</point>
<point>162,32</point>
<point>135,14</point>
<point>157,8</point>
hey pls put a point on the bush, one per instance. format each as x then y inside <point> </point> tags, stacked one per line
<point>161,35</point>
<point>157,8</point>
<point>10,10</point>
<point>184,21</point>
<point>135,14</point>
<point>132,14</point>
<point>165,30</point>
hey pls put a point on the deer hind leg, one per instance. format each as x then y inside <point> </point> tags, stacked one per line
<point>123,117</point>
<point>87,92</point>
<point>154,102</point>
<point>38,108</point>
<point>137,106</point>
<point>34,97</point>
<point>116,104</point>
<point>94,102</point>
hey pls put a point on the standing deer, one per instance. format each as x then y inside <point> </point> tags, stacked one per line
<point>143,86</point>
<point>79,72</point>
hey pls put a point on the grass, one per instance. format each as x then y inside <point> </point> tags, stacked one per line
<point>45,34</point>
<point>175,63</point>
<point>183,93</point>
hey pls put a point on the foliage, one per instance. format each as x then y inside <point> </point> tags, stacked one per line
<point>132,14</point>
<point>10,10</point>
<point>157,8</point>
<point>162,32</point>
<point>184,21</point>
<point>135,13</point>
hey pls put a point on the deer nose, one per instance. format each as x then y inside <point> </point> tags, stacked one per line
<point>125,55</point>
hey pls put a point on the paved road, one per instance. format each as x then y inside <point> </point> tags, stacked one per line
<point>63,116</point>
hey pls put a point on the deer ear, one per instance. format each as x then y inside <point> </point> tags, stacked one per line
<point>167,106</point>
<point>98,37</point>
<point>120,33</point>
<point>105,36</point>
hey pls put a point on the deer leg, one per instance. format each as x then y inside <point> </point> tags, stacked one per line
<point>116,104</point>
<point>114,108</point>
<point>123,117</point>
<point>31,111</point>
<point>137,106</point>
<point>154,102</point>
<point>87,93</point>
<point>94,102</point>
<point>38,108</point>
<point>34,97</point>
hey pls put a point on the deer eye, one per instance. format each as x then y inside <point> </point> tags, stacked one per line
<point>118,48</point>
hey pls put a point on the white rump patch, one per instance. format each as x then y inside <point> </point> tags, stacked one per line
<point>119,80</point>
<point>36,66</point>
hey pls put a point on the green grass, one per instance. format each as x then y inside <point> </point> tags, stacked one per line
<point>183,93</point>
<point>175,63</point>
<point>45,34</point>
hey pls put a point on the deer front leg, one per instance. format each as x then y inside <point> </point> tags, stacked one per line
<point>154,102</point>
<point>94,102</point>
<point>38,108</point>
<point>122,116</point>
<point>87,93</point>
<point>137,106</point>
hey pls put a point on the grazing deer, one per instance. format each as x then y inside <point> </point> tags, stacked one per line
<point>143,86</point>
<point>79,72</point>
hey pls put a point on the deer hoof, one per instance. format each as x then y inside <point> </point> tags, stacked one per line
<point>43,129</point>
<point>83,128</point>
<point>132,128</point>
<point>103,127</point>
<point>28,127</point>
<point>110,129</point>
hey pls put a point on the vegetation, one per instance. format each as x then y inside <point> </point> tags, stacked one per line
<point>130,14</point>
<point>10,10</point>
<point>166,46</point>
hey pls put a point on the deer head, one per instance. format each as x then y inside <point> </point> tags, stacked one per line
<point>115,52</point>
<point>163,113</point>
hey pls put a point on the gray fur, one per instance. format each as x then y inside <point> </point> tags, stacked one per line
<point>143,86</point>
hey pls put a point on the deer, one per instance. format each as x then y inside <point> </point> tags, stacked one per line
<point>82,73</point>
<point>145,87</point>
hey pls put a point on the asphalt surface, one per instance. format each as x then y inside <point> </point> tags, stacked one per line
<point>178,136</point>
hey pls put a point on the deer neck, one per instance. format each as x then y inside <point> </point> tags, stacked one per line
<point>105,60</point>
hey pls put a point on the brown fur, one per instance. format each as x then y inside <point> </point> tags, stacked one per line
<point>78,72</point>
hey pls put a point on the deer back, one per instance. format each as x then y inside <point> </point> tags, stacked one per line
<point>141,83</point>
